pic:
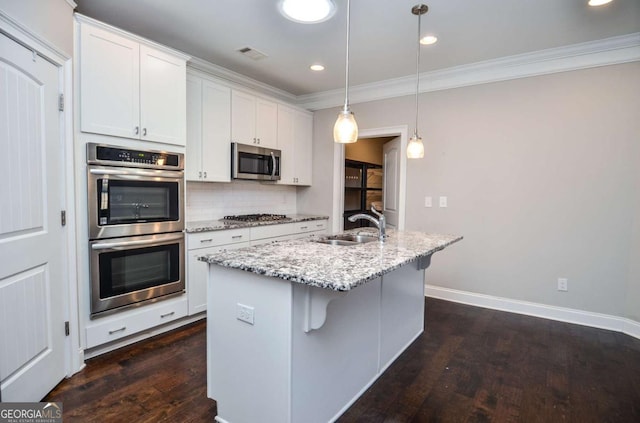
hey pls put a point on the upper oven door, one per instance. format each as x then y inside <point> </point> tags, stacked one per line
<point>127,201</point>
<point>251,162</point>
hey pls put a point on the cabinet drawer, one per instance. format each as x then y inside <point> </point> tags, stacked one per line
<point>311,226</point>
<point>214,238</point>
<point>272,231</point>
<point>128,323</point>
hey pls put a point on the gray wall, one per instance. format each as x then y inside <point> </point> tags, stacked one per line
<point>542,176</point>
<point>49,19</point>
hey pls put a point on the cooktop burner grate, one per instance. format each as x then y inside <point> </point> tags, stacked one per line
<point>258,217</point>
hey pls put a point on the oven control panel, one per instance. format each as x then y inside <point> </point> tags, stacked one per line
<point>120,156</point>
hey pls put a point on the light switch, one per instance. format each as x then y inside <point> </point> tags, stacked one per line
<point>428,202</point>
<point>443,201</point>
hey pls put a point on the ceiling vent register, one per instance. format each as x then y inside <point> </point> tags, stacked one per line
<point>251,53</point>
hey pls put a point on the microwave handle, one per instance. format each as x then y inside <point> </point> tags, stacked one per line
<point>273,165</point>
<point>128,244</point>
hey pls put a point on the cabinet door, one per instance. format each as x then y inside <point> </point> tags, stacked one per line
<point>216,132</point>
<point>286,117</point>
<point>197,274</point>
<point>243,117</point>
<point>109,83</point>
<point>162,97</point>
<point>303,137</point>
<point>267,123</point>
<point>193,158</point>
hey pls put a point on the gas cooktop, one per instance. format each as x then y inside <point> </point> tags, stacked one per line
<point>258,217</point>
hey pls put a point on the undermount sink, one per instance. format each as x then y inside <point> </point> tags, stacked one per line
<point>347,239</point>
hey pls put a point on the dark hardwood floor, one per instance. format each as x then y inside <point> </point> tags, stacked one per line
<point>470,365</point>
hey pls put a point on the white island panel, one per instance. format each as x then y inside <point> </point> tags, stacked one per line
<point>332,364</point>
<point>249,366</point>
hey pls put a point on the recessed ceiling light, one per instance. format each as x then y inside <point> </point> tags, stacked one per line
<point>307,11</point>
<point>598,2</point>
<point>316,68</point>
<point>429,39</point>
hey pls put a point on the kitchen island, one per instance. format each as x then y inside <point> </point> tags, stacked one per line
<point>298,330</point>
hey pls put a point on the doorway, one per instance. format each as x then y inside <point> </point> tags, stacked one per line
<point>372,172</point>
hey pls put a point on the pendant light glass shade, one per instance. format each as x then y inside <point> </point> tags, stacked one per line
<point>345,130</point>
<point>415,148</point>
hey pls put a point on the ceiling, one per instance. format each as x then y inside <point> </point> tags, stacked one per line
<point>383,34</point>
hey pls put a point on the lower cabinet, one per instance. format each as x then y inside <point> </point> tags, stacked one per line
<point>202,243</point>
<point>281,232</point>
<point>129,322</point>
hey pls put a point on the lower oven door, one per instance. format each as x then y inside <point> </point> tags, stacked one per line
<point>132,271</point>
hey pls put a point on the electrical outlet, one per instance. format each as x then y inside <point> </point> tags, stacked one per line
<point>563,284</point>
<point>428,202</point>
<point>245,313</point>
<point>443,201</point>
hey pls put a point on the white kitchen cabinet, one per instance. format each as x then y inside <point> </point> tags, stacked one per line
<point>130,89</point>
<point>284,231</point>
<point>202,243</point>
<point>254,120</point>
<point>295,131</point>
<point>208,131</point>
<point>129,322</point>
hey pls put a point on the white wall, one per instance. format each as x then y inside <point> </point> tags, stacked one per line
<point>208,201</point>
<point>52,20</point>
<point>541,175</point>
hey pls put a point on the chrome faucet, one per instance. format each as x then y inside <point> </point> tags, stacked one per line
<point>380,222</point>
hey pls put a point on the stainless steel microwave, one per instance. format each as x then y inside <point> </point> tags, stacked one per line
<point>257,163</point>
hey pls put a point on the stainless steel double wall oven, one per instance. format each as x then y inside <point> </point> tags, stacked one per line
<point>136,223</point>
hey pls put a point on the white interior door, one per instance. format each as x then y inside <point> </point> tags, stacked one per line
<point>391,187</point>
<point>32,243</point>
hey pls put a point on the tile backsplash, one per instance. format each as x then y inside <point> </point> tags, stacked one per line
<point>207,201</point>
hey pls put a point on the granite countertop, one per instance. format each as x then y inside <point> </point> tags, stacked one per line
<point>340,268</point>
<point>220,225</point>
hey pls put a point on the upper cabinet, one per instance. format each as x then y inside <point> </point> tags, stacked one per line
<point>208,131</point>
<point>130,89</point>
<point>253,120</point>
<point>295,130</point>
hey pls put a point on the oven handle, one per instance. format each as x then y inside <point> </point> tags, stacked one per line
<point>128,244</point>
<point>136,172</point>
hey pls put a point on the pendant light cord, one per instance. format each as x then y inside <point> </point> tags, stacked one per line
<point>417,74</point>
<point>346,89</point>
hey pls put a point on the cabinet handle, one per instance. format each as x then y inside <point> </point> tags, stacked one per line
<point>144,132</point>
<point>303,227</point>
<point>162,316</point>
<point>236,237</point>
<point>205,175</point>
<point>137,130</point>
<point>258,140</point>
<point>111,332</point>
<point>319,225</point>
<point>206,240</point>
<point>200,174</point>
<point>254,141</point>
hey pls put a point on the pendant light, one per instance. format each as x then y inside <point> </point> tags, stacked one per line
<point>415,148</point>
<point>345,130</point>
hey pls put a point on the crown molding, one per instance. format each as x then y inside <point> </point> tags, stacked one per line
<point>72,4</point>
<point>608,51</point>
<point>240,81</point>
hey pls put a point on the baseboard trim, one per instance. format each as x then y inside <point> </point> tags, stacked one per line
<point>562,314</point>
